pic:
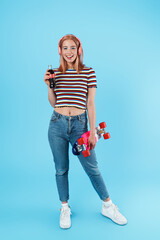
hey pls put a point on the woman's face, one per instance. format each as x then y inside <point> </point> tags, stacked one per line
<point>69,51</point>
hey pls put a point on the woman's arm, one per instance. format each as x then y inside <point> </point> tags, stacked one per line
<point>91,115</point>
<point>51,96</point>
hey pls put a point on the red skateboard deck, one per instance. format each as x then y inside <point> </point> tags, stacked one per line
<point>81,145</point>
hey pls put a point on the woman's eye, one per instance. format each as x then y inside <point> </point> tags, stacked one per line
<point>66,48</point>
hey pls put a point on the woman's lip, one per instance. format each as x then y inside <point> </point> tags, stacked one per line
<point>69,57</point>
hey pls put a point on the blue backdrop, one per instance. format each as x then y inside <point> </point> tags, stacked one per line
<point>120,40</point>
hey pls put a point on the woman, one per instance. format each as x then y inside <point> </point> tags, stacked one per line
<point>73,99</point>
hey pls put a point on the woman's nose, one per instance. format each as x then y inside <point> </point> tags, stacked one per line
<point>69,51</point>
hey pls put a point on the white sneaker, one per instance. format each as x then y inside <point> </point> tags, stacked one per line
<point>65,220</point>
<point>112,212</point>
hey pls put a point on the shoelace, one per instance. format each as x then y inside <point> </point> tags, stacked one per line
<point>65,212</point>
<point>116,209</point>
<point>115,206</point>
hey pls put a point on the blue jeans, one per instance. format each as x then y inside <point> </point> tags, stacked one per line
<point>62,130</point>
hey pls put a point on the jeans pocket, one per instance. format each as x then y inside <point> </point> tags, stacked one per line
<point>54,117</point>
<point>83,119</point>
<point>83,122</point>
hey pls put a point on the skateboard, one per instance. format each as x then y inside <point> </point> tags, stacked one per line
<point>81,145</point>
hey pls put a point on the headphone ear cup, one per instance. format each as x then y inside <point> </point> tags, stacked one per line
<point>80,50</point>
<point>59,50</point>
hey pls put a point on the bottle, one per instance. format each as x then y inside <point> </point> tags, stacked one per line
<point>52,77</point>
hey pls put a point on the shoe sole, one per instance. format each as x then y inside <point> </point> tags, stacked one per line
<point>64,226</point>
<point>113,220</point>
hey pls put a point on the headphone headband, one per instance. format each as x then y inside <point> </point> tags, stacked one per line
<point>79,50</point>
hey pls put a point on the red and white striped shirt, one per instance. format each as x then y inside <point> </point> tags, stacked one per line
<point>71,88</point>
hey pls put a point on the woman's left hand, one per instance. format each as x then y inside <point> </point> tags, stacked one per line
<point>91,142</point>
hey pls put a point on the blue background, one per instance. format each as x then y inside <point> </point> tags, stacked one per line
<point>121,41</point>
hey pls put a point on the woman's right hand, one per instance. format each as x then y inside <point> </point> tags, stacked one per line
<point>46,77</point>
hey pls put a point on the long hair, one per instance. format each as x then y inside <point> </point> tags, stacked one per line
<point>78,62</point>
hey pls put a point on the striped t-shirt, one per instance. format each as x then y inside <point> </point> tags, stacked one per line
<point>71,88</point>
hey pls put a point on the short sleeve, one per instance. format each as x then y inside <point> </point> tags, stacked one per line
<point>92,82</point>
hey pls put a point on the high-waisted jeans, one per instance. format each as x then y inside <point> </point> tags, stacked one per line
<point>62,131</point>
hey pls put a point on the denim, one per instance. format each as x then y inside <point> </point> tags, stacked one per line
<point>63,130</point>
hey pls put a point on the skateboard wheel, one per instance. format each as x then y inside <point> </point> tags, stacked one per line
<point>75,150</point>
<point>81,141</point>
<point>102,125</point>
<point>86,153</point>
<point>106,135</point>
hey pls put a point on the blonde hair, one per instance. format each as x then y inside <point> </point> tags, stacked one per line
<point>78,62</point>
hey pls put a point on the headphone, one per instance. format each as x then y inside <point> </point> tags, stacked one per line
<point>79,50</point>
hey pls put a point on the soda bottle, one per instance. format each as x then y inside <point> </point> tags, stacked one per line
<point>52,77</point>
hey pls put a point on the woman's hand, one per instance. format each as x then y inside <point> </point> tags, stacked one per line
<point>46,77</point>
<point>91,141</point>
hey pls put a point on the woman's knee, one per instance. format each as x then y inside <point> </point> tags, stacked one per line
<point>61,172</point>
<point>93,171</point>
